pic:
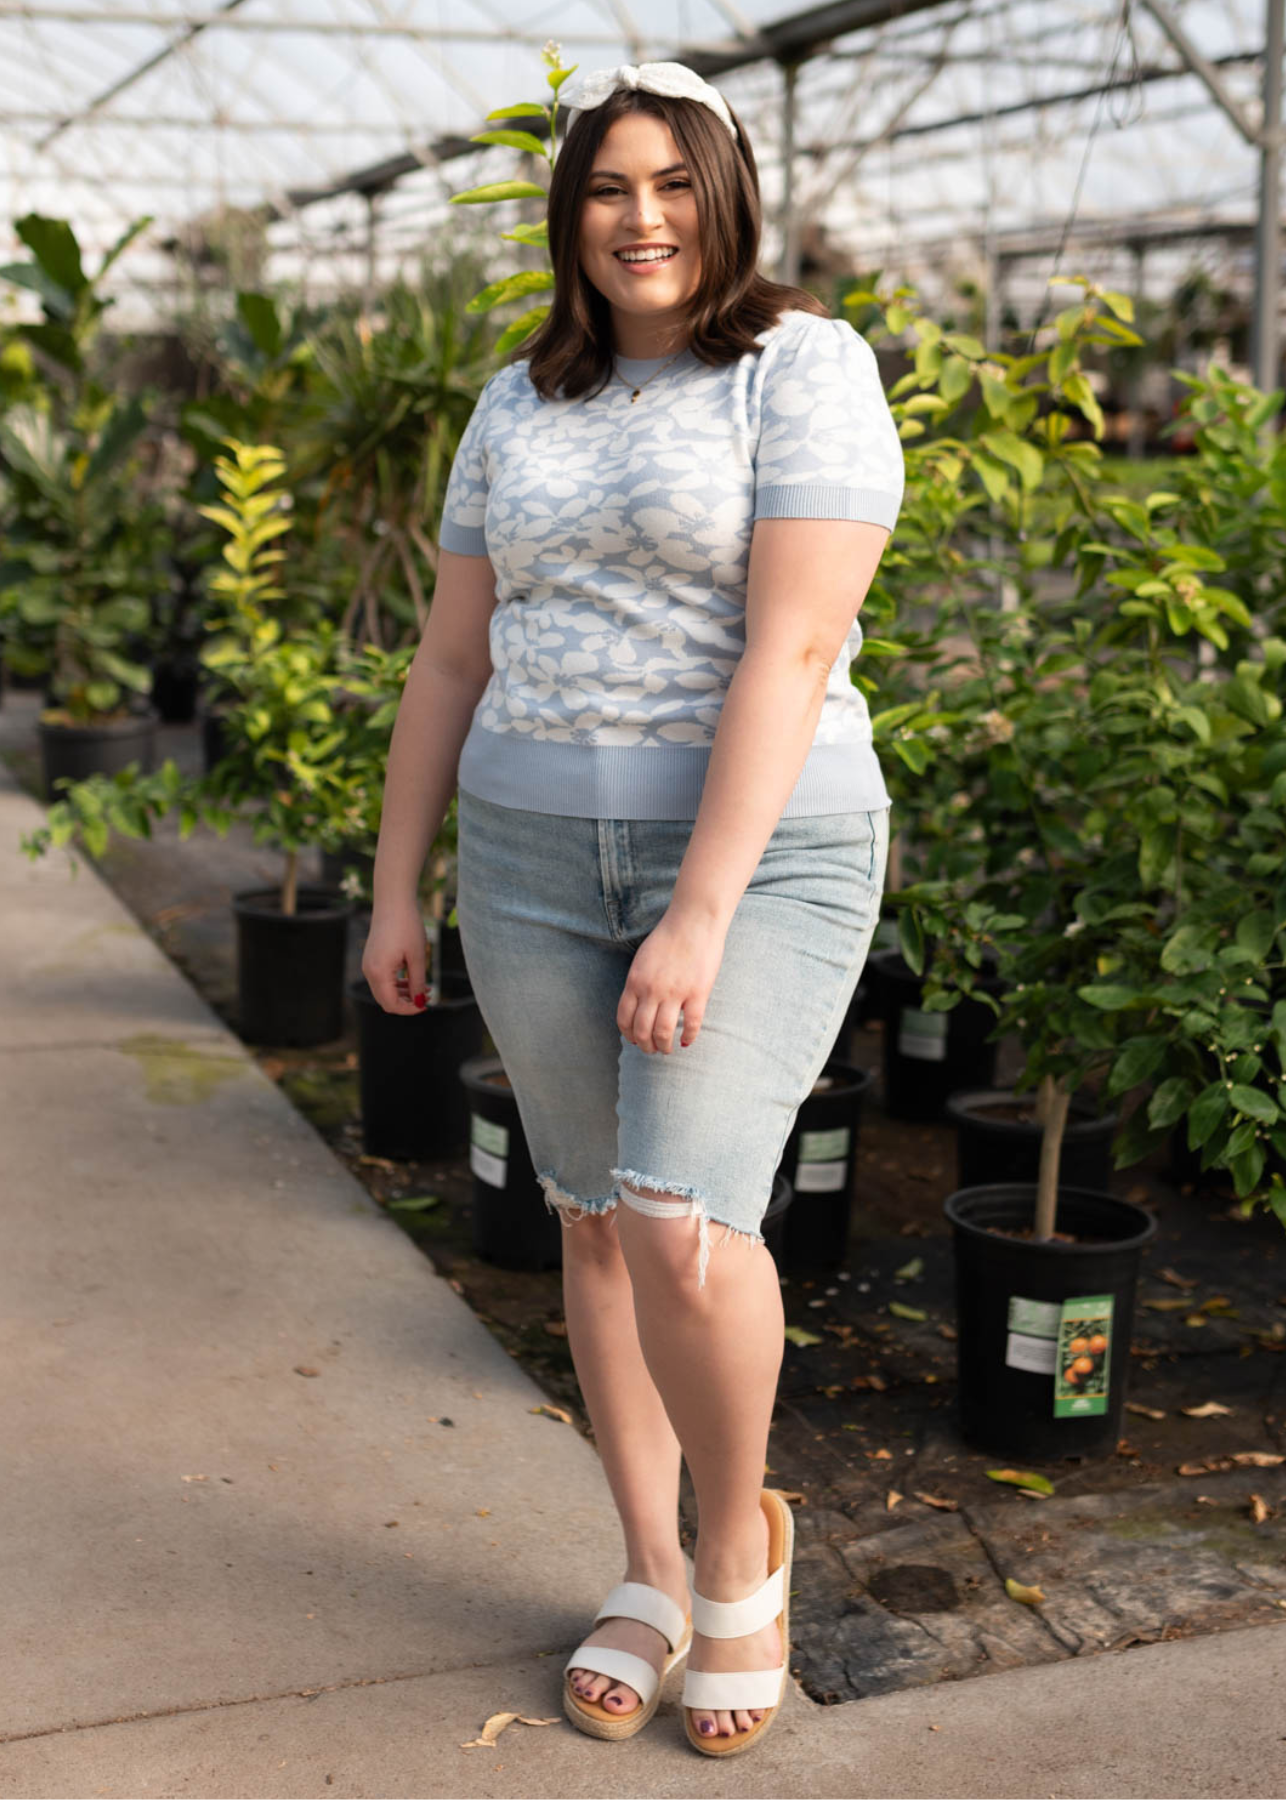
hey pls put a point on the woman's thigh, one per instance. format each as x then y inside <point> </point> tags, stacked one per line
<point>709,1122</point>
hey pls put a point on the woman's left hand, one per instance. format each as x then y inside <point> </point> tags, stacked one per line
<point>673,971</point>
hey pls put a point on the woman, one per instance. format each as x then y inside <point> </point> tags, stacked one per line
<point>661,523</point>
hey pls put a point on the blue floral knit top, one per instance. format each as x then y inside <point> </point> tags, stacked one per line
<point>619,532</point>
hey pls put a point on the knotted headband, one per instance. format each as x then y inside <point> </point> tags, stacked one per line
<point>675,80</point>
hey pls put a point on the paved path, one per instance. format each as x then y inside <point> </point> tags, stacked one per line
<point>244,1555</point>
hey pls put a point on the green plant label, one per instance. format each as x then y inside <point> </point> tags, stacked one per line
<point>922,1035</point>
<point>1084,1350</point>
<point>1032,1343</point>
<point>822,1160</point>
<point>488,1150</point>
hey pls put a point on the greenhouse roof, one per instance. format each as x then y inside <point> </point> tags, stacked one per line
<point>342,127</point>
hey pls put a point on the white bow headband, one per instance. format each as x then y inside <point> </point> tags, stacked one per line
<point>673,79</point>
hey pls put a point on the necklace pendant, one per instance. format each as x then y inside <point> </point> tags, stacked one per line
<point>634,396</point>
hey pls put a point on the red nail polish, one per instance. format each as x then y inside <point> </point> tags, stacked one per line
<point>421,999</point>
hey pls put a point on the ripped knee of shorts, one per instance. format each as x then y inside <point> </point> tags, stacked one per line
<point>567,1207</point>
<point>669,1209</point>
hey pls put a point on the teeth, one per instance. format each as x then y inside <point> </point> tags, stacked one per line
<point>645,255</point>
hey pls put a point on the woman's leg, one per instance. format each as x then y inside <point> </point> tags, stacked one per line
<point>633,1436</point>
<point>715,1354</point>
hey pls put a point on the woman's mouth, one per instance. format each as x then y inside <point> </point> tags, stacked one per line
<point>642,262</point>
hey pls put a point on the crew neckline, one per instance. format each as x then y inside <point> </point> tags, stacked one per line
<point>650,362</point>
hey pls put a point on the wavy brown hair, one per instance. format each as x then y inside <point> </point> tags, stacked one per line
<point>572,347</point>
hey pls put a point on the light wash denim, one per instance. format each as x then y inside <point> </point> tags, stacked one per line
<point>552,909</point>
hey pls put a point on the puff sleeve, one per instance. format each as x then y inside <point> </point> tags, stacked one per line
<point>464,508</point>
<point>828,444</point>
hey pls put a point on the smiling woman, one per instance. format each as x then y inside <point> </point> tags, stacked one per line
<point>673,829</point>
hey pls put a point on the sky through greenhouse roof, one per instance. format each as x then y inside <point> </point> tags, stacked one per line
<point>912,130</point>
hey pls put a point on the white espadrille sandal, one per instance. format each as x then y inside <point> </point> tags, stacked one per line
<point>627,1600</point>
<point>745,1690</point>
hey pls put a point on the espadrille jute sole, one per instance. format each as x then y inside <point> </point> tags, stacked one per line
<point>593,1717</point>
<point>781,1550</point>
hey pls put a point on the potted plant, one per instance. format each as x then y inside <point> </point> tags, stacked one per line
<point>1089,855</point>
<point>82,544</point>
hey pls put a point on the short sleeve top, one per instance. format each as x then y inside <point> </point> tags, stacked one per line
<point>619,532</point>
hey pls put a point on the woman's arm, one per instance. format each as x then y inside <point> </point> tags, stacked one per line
<point>806,584</point>
<point>448,673</point>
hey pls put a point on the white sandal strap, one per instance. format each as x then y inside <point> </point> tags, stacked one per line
<point>738,1618</point>
<point>620,1665</point>
<point>640,1600</point>
<point>736,1690</point>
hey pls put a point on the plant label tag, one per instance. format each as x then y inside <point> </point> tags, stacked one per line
<point>922,1035</point>
<point>819,1177</point>
<point>488,1150</point>
<point>1032,1343</point>
<point>824,1146</point>
<point>1084,1349</point>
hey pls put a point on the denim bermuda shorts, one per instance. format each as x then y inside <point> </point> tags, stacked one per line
<point>551,911</point>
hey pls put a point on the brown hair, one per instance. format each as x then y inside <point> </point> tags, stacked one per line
<point>572,347</point>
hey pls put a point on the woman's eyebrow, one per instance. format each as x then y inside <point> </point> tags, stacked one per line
<point>656,173</point>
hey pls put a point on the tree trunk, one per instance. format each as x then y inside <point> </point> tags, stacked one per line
<point>290,884</point>
<point>1054,1100</point>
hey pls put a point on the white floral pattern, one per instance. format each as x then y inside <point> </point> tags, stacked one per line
<point>620,532</point>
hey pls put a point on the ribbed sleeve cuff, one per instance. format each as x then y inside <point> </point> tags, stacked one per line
<point>465,540</point>
<point>814,500</point>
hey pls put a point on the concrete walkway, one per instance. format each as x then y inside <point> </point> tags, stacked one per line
<point>203,1311</point>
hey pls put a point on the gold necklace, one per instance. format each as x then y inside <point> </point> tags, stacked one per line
<point>652,377</point>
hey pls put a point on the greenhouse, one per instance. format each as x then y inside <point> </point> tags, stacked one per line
<point>643,843</point>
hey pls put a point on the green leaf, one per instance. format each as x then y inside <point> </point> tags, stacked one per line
<point>798,1335</point>
<point>499,190</point>
<point>1026,1478</point>
<point>1205,1113</point>
<point>1254,1104</point>
<point>521,327</point>
<point>1170,1102</point>
<point>54,246</point>
<point>1112,997</point>
<point>911,938</point>
<point>259,316</point>
<point>511,287</point>
<point>1255,933</point>
<point>1136,1060</point>
<point>906,1312</point>
<point>517,140</point>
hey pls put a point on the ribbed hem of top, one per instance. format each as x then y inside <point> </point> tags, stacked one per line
<point>648,781</point>
<point>817,500</point>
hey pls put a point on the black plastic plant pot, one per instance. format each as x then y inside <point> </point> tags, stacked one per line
<point>174,690</point>
<point>512,1226</point>
<point>106,749</point>
<point>413,1106</point>
<point>290,966</point>
<point>928,1055</point>
<point>775,1223</point>
<point>818,1162</point>
<point>214,743</point>
<point>1043,1328</point>
<point>991,1147</point>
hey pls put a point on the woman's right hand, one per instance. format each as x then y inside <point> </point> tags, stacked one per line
<point>395,955</point>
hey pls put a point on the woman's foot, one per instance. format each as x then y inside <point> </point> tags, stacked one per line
<point>757,1650</point>
<point>633,1635</point>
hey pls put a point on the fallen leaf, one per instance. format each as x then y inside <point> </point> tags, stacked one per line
<point>1259,1509</point>
<point>1176,1280</point>
<point>1196,1319</point>
<point>891,1499</point>
<point>878,1454</point>
<point>834,1390</point>
<point>936,1500</point>
<point>1167,1305</point>
<point>909,1270</point>
<point>1215,1302</point>
<point>1259,1459</point>
<point>947,1331</point>
<point>482,1512</point>
<point>552,1412</point>
<point>1030,1596</point>
<point>414,1203</point>
<point>304,1369</point>
<point>906,1312</point>
<point>556,1327</point>
<point>496,1724</point>
<point>1022,1478</point>
<point>379,1162</point>
<point>798,1335</point>
<point>1207,1411</point>
<point>1148,1412</point>
<point>869,1381</point>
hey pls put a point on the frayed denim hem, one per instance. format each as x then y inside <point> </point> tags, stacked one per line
<point>666,1209</point>
<point>568,1208</point>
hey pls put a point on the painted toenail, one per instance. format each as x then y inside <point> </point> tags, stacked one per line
<point>706,1726</point>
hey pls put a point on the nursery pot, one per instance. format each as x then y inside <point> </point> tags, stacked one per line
<point>775,1224</point>
<point>818,1162</point>
<point>991,1146</point>
<point>413,1106</point>
<point>1030,1317</point>
<point>106,748</point>
<point>174,690</point>
<point>512,1226</point>
<point>928,1055</point>
<point>290,967</point>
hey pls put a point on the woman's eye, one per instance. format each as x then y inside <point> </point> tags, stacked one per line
<point>601,193</point>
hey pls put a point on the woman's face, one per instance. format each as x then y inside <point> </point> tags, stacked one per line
<point>640,193</point>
